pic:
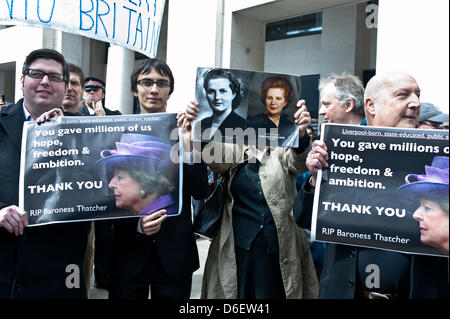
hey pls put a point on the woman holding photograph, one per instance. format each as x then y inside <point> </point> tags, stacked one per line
<point>430,192</point>
<point>275,93</point>
<point>259,252</point>
<point>140,165</point>
<point>223,92</point>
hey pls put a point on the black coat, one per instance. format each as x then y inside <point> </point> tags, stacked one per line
<point>34,265</point>
<point>85,112</point>
<point>175,241</point>
<point>233,120</point>
<point>428,274</point>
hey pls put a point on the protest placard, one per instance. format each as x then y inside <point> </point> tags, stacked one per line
<point>134,24</point>
<point>246,107</point>
<point>360,198</point>
<point>86,168</point>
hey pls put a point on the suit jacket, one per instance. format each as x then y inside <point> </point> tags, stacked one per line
<point>85,112</point>
<point>175,241</point>
<point>34,265</point>
<point>428,274</point>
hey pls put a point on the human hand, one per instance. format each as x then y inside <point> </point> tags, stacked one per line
<point>13,219</point>
<point>52,114</point>
<point>184,119</point>
<point>317,159</point>
<point>302,117</point>
<point>151,224</point>
<point>98,108</point>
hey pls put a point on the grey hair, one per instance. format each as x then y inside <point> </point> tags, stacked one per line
<point>347,87</point>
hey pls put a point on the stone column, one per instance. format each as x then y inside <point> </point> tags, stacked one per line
<point>118,71</point>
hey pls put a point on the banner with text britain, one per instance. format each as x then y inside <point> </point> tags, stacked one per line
<point>134,24</point>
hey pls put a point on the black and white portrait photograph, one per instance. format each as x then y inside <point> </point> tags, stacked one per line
<point>222,96</point>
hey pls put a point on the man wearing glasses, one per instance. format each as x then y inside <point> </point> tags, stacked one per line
<point>154,250</point>
<point>34,261</point>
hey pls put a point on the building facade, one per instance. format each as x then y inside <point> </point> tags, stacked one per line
<point>303,37</point>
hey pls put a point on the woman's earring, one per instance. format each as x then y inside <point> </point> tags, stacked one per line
<point>143,193</point>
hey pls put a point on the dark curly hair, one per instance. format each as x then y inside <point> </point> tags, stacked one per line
<point>235,85</point>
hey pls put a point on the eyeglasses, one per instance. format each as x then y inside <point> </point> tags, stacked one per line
<point>38,74</point>
<point>148,83</point>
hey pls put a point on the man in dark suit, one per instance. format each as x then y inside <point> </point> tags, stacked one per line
<point>36,262</point>
<point>155,250</point>
<point>390,100</point>
<point>94,96</point>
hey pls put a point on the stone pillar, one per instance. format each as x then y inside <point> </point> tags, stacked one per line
<point>118,93</point>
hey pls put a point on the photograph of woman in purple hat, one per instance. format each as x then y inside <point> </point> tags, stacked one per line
<point>141,174</point>
<point>430,193</point>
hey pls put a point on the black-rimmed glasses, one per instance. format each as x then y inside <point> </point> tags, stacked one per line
<point>38,74</point>
<point>148,83</point>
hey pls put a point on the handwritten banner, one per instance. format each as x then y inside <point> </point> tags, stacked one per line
<point>134,24</point>
<point>359,198</point>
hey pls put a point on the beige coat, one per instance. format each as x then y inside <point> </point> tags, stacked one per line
<point>277,174</point>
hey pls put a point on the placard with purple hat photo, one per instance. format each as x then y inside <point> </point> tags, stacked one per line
<point>384,188</point>
<point>90,168</point>
<point>428,193</point>
<point>141,171</point>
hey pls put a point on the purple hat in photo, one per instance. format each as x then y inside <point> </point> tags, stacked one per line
<point>137,151</point>
<point>432,185</point>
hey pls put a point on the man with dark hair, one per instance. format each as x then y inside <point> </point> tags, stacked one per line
<point>74,92</point>
<point>152,99</point>
<point>155,250</point>
<point>36,262</point>
<point>94,98</point>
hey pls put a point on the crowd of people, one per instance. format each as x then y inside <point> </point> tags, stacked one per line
<point>261,250</point>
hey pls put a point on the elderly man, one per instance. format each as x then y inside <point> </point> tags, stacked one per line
<point>391,100</point>
<point>36,262</point>
<point>342,99</point>
<point>342,102</point>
